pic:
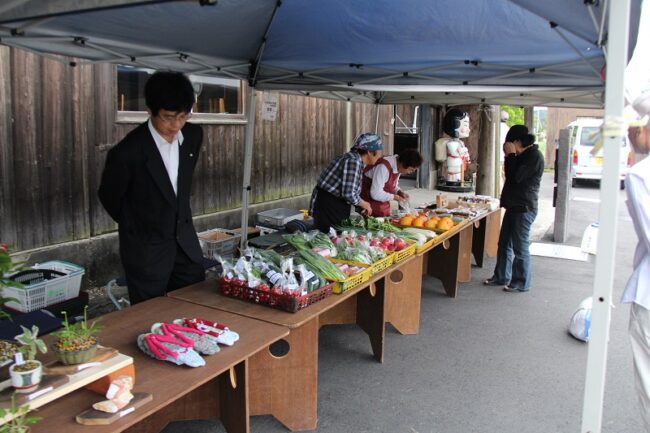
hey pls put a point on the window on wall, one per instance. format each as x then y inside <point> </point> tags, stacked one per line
<point>217,99</point>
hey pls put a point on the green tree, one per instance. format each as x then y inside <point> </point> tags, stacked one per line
<point>516,115</point>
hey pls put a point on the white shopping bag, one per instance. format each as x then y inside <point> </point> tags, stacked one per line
<point>581,320</point>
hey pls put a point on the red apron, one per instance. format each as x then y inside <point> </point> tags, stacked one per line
<point>379,208</point>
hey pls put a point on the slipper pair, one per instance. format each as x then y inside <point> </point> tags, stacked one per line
<point>169,348</point>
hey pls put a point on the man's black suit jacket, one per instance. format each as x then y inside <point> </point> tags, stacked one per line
<point>136,191</point>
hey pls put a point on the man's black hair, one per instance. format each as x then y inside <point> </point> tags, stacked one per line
<point>171,91</point>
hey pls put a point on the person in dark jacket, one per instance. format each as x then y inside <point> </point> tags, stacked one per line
<point>524,166</point>
<point>145,188</point>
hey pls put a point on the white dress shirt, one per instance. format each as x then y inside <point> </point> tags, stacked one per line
<point>637,186</point>
<point>379,175</point>
<point>169,153</point>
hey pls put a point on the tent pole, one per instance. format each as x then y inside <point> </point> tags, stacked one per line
<point>248,162</point>
<point>613,131</point>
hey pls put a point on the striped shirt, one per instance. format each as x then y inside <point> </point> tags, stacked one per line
<point>342,178</point>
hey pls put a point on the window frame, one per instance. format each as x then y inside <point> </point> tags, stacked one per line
<point>126,116</point>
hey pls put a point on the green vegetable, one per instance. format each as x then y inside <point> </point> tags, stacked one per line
<point>298,241</point>
<point>323,267</point>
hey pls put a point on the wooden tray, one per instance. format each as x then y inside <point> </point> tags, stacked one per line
<point>97,417</point>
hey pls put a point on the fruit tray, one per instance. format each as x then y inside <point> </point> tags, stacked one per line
<point>239,289</point>
<point>405,253</point>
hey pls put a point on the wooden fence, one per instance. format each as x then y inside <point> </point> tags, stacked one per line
<point>57,123</point>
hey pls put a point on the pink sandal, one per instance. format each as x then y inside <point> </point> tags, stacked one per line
<point>201,341</point>
<point>169,348</point>
<point>220,332</point>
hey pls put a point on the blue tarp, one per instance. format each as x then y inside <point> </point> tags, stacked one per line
<point>506,47</point>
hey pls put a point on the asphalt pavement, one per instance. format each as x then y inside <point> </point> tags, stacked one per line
<point>486,361</point>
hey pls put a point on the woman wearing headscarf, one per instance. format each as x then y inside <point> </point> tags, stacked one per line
<point>381,181</point>
<point>339,185</point>
<point>524,166</point>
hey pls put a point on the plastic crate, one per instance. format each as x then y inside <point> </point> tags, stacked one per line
<point>425,246</point>
<point>405,253</point>
<point>354,280</point>
<point>219,242</point>
<point>238,289</point>
<point>45,284</point>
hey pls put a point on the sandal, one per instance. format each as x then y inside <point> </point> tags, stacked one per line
<point>493,282</point>
<point>200,341</point>
<point>168,348</point>
<point>220,332</point>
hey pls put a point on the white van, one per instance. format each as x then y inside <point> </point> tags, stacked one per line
<point>583,134</point>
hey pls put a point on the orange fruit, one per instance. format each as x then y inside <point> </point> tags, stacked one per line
<point>418,222</point>
<point>431,223</point>
<point>406,220</point>
<point>445,223</point>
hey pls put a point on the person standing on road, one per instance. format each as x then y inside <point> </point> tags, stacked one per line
<point>339,185</point>
<point>145,187</point>
<point>524,167</point>
<point>637,290</point>
<point>381,181</point>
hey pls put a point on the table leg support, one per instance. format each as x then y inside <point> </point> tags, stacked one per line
<point>465,254</point>
<point>371,316</point>
<point>293,377</point>
<point>493,226</point>
<point>478,241</point>
<point>403,296</point>
<point>233,399</point>
<point>443,264</point>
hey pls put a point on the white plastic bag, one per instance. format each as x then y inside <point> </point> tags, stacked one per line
<point>581,320</point>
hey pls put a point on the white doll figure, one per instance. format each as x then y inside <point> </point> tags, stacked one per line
<point>450,149</point>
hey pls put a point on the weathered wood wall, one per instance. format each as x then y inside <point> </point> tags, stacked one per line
<point>57,122</point>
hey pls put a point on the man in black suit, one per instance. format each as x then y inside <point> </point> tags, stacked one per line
<point>145,187</point>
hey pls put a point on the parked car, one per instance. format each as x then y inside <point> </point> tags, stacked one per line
<point>583,134</point>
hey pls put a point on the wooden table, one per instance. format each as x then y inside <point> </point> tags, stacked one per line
<point>293,377</point>
<point>218,389</point>
<point>450,257</point>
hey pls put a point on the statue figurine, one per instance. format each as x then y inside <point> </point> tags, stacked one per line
<point>450,152</point>
<point>118,395</point>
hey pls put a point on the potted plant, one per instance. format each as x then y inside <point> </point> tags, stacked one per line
<point>20,420</point>
<point>7,268</point>
<point>76,343</point>
<point>26,375</point>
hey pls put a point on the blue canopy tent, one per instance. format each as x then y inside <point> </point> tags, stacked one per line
<point>526,52</point>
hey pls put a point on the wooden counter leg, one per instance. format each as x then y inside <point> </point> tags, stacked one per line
<point>465,254</point>
<point>492,229</point>
<point>233,399</point>
<point>287,386</point>
<point>371,316</point>
<point>403,295</point>
<point>478,241</point>
<point>443,264</point>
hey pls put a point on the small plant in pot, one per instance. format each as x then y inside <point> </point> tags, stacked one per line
<point>20,418</point>
<point>76,343</point>
<point>26,375</point>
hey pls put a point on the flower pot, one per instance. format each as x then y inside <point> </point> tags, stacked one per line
<point>26,381</point>
<point>72,357</point>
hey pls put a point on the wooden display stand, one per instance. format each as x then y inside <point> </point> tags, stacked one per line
<point>59,380</point>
